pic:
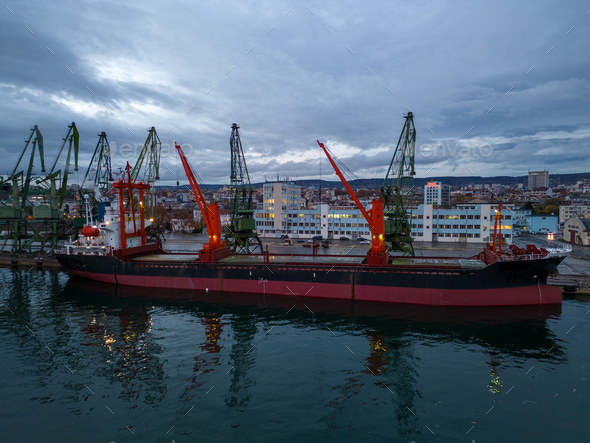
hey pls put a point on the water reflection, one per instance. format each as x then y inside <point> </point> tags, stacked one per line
<point>209,358</point>
<point>116,323</point>
<point>243,359</point>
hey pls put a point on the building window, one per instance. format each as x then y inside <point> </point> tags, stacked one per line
<point>455,234</point>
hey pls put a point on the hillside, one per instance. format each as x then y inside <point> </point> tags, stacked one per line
<point>374,183</point>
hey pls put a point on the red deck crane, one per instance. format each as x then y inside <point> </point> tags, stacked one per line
<point>216,248</point>
<point>128,214</point>
<point>376,256</point>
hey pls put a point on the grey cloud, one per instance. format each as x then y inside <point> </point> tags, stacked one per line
<point>151,63</point>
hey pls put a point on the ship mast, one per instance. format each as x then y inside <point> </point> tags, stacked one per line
<point>498,230</point>
<point>87,206</point>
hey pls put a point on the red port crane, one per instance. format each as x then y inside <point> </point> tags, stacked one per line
<point>216,248</point>
<point>377,256</point>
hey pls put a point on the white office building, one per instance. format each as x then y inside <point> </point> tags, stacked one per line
<point>571,211</point>
<point>437,193</point>
<point>466,223</point>
<point>281,215</point>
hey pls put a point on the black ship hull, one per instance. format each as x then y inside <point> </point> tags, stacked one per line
<point>503,283</point>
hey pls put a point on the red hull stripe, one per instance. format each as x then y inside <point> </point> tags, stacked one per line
<point>527,295</point>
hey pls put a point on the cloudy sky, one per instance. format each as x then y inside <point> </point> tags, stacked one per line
<point>497,88</point>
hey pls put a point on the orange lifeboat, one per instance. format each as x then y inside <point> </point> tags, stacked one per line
<point>89,231</point>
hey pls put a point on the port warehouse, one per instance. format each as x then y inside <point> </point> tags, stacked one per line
<point>471,223</point>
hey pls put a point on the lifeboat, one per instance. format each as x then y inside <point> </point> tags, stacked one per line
<point>89,231</point>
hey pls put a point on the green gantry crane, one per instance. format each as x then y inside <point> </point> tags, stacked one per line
<point>13,217</point>
<point>242,236</point>
<point>150,154</point>
<point>74,138</point>
<point>30,221</point>
<point>396,188</point>
<point>99,171</point>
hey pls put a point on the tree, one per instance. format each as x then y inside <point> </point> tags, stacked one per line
<point>161,217</point>
<point>362,193</point>
<point>551,202</point>
<point>551,209</point>
<point>458,198</point>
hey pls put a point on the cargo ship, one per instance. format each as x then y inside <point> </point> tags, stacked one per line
<point>115,251</point>
<point>482,280</point>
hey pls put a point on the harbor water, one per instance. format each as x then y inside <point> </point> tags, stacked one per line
<point>83,361</point>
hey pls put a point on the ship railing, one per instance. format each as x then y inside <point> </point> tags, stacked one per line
<point>521,257</point>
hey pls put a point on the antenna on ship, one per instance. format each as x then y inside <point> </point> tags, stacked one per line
<point>88,207</point>
<point>497,227</point>
<point>320,175</point>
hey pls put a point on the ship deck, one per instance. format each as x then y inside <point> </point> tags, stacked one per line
<point>295,259</point>
<point>343,260</point>
<point>168,258</point>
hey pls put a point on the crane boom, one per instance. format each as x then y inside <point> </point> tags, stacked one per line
<point>100,170</point>
<point>377,255</point>
<point>38,140</point>
<point>216,248</point>
<point>74,138</point>
<point>348,188</point>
